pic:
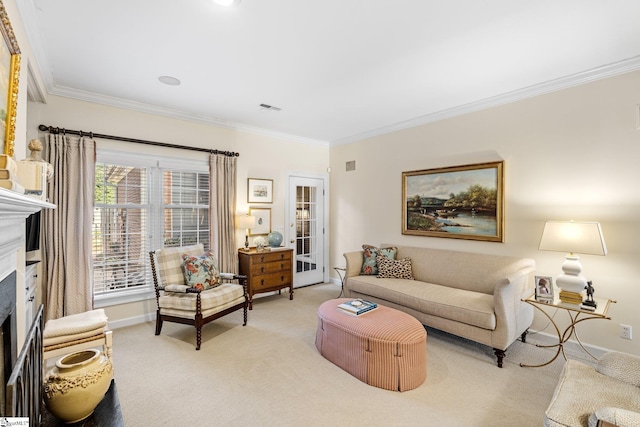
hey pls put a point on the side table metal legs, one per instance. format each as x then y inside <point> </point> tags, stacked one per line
<point>564,337</point>
<point>341,276</point>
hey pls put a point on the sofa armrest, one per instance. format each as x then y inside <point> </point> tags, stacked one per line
<point>621,366</point>
<point>354,263</point>
<point>507,300</point>
<point>614,416</point>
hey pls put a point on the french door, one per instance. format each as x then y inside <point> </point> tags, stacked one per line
<point>306,229</point>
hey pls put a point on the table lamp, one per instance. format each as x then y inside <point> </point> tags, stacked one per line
<point>572,237</point>
<point>246,222</point>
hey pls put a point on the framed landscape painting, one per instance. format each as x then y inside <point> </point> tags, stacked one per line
<point>460,202</point>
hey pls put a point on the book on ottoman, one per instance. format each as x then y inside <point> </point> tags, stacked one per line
<point>357,307</point>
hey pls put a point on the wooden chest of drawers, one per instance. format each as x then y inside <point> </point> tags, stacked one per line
<point>267,271</point>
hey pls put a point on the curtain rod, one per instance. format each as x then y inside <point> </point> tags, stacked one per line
<point>56,131</point>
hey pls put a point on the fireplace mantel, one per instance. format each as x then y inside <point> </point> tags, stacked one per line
<point>14,210</point>
<point>19,206</point>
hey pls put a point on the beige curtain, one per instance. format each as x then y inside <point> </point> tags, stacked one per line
<point>222,172</point>
<point>67,261</point>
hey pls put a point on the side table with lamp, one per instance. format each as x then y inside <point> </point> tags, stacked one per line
<point>573,237</point>
<point>576,293</point>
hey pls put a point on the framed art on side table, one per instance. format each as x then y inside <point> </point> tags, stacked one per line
<point>544,288</point>
<point>259,190</point>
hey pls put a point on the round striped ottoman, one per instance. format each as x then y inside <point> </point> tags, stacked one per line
<point>384,348</point>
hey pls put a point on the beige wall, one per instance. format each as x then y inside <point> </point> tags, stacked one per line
<point>571,154</point>
<point>260,156</point>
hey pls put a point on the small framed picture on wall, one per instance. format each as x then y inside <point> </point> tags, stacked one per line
<point>544,288</point>
<point>259,190</point>
<point>263,221</point>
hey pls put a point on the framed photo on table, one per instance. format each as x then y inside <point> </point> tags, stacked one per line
<point>263,221</point>
<point>259,190</point>
<point>544,288</point>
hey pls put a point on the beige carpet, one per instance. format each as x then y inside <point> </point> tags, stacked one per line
<point>269,373</point>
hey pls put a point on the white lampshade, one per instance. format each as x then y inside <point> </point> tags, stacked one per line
<point>246,221</point>
<point>572,237</point>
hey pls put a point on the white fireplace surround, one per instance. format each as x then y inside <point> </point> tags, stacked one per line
<point>14,210</point>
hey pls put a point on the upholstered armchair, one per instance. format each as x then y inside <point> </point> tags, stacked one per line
<point>604,396</point>
<point>189,288</point>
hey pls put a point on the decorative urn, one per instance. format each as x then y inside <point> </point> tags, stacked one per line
<point>77,384</point>
<point>275,239</point>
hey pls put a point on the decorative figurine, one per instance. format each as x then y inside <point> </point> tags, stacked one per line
<point>589,301</point>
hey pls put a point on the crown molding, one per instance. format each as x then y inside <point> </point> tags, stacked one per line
<point>175,114</point>
<point>599,73</point>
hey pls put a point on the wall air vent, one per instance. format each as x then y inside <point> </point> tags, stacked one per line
<point>351,165</point>
<point>269,107</point>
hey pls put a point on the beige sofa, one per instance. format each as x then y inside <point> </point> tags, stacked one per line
<point>605,395</point>
<point>475,296</point>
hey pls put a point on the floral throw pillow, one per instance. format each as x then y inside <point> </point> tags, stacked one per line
<point>201,272</point>
<point>394,268</point>
<point>369,264</point>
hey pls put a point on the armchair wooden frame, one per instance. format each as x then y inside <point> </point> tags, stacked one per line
<point>198,321</point>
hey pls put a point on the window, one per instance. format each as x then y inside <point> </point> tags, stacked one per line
<point>141,205</point>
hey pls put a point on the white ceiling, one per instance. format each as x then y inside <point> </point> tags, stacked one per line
<point>340,70</point>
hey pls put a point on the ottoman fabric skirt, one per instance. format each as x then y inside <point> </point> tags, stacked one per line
<point>384,348</point>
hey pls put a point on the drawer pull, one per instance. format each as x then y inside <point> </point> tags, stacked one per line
<point>261,282</point>
<point>262,258</point>
<point>261,269</point>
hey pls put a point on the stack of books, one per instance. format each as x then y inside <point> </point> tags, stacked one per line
<point>571,297</point>
<point>357,307</point>
<point>9,174</point>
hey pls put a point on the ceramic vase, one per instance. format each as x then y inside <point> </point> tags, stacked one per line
<point>78,382</point>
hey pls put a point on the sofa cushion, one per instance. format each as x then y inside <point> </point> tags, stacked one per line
<point>472,308</point>
<point>369,264</point>
<point>394,268</point>
<point>481,272</point>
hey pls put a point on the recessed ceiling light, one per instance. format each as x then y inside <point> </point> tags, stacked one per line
<point>168,80</point>
<point>227,3</point>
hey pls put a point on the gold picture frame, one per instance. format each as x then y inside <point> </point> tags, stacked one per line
<point>459,202</point>
<point>9,79</point>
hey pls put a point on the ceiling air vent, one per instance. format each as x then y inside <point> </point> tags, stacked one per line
<point>269,107</point>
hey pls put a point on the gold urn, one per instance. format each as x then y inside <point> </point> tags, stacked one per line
<point>77,384</point>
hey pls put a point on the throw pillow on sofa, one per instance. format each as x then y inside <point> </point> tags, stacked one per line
<point>394,268</point>
<point>369,264</point>
<point>201,272</point>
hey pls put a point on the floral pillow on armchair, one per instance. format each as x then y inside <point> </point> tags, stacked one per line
<point>369,264</point>
<point>201,272</point>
